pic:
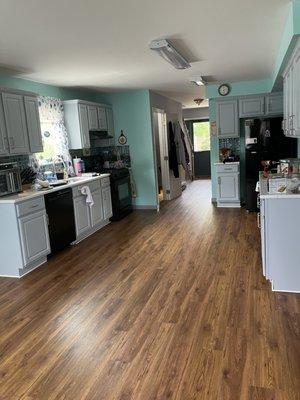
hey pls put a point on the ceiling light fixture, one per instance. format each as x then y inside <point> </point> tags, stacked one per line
<point>198,80</point>
<point>164,48</point>
<point>198,101</point>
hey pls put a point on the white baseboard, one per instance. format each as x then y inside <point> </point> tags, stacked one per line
<point>229,205</point>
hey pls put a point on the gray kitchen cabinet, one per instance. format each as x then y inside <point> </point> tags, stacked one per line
<point>33,124</point>
<point>102,119</point>
<point>82,216</point>
<point>252,107</point>
<point>84,126</point>
<point>93,118</point>
<point>110,124</point>
<point>4,150</point>
<point>274,104</point>
<point>97,208</point>
<point>16,126</point>
<point>228,178</point>
<point>107,206</point>
<point>34,236</point>
<point>227,119</point>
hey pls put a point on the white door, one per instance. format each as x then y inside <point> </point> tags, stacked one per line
<point>33,124</point>
<point>3,134</point>
<point>15,119</point>
<point>84,125</point>
<point>97,208</point>
<point>82,215</point>
<point>93,118</point>
<point>228,187</point>
<point>102,119</point>
<point>34,236</point>
<point>107,206</point>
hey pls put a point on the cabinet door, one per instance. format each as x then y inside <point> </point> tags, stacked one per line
<point>290,101</point>
<point>34,236</point>
<point>251,107</point>
<point>295,116</point>
<point>110,124</point>
<point>107,206</point>
<point>15,119</point>
<point>33,124</point>
<point>93,118</point>
<point>274,104</point>
<point>3,134</point>
<point>261,225</point>
<point>97,208</point>
<point>228,187</point>
<point>102,119</point>
<point>227,119</point>
<point>84,125</point>
<point>82,215</point>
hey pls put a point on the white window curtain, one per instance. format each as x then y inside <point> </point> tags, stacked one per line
<point>54,133</point>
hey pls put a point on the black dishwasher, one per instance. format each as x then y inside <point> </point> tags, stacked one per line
<point>60,211</point>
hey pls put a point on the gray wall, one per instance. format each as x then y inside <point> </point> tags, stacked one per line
<point>195,113</point>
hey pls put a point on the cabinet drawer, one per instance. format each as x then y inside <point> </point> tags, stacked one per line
<point>105,181</point>
<point>92,185</point>
<point>223,168</point>
<point>30,206</point>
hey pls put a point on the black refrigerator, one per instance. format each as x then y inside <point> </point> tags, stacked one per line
<point>264,140</point>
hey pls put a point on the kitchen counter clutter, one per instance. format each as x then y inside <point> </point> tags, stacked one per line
<point>279,221</point>
<point>25,241</point>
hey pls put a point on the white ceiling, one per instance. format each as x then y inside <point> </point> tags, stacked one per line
<point>104,44</point>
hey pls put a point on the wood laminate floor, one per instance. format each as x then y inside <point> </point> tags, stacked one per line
<point>157,306</point>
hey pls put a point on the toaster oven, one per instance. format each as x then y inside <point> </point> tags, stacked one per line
<point>10,179</point>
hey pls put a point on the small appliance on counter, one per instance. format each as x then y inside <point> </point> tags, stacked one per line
<point>10,179</point>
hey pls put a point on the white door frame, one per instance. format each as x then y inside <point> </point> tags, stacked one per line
<point>164,153</point>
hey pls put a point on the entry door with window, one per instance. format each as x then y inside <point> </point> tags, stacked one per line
<point>201,140</point>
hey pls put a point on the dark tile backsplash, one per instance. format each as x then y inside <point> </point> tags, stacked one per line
<point>22,160</point>
<point>231,143</point>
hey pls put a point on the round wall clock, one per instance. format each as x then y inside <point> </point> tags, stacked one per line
<point>224,89</point>
<point>122,139</point>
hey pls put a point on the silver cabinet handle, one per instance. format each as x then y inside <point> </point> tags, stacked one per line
<point>258,221</point>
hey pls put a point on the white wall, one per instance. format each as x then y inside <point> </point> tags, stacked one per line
<point>195,113</point>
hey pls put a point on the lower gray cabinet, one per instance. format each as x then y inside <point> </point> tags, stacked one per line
<point>34,236</point>
<point>97,208</point>
<point>228,191</point>
<point>107,206</point>
<point>82,216</point>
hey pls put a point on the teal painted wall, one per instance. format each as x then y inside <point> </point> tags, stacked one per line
<point>132,115</point>
<point>241,88</point>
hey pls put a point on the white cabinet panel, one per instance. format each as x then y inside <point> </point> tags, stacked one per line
<point>97,208</point>
<point>107,206</point>
<point>102,118</point>
<point>34,236</point>
<point>33,124</point>
<point>295,112</point>
<point>15,119</point>
<point>227,118</point>
<point>84,125</point>
<point>228,187</point>
<point>251,107</point>
<point>3,133</point>
<point>82,215</point>
<point>93,118</point>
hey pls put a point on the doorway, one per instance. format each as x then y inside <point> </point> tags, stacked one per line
<point>160,136</point>
<point>201,141</point>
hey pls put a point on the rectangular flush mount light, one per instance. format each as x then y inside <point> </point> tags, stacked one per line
<point>198,80</point>
<point>169,53</point>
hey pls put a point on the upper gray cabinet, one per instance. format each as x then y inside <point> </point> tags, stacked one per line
<point>82,117</point>
<point>33,124</point>
<point>274,104</point>
<point>20,128</point>
<point>227,119</point>
<point>110,123</point>
<point>251,107</point>
<point>16,126</point>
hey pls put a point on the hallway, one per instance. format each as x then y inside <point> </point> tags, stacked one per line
<point>168,305</point>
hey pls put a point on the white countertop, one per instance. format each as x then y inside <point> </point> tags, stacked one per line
<point>230,163</point>
<point>31,193</point>
<point>263,191</point>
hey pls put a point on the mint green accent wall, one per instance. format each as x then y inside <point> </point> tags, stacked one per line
<point>241,88</point>
<point>47,90</point>
<point>214,149</point>
<point>132,114</point>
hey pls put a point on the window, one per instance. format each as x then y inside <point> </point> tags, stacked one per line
<point>201,133</point>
